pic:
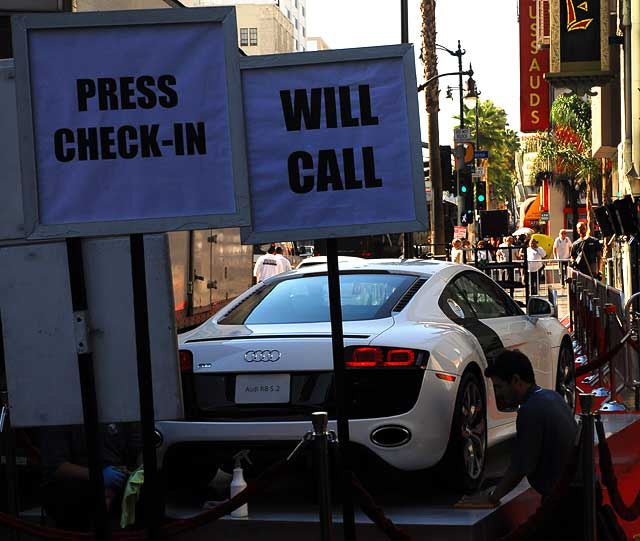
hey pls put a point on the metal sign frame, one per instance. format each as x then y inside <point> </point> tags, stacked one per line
<point>22,27</point>
<point>404,53</point>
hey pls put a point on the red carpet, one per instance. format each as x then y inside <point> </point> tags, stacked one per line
<point>625,451</point>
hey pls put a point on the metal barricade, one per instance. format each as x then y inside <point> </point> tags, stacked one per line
<point>600,320</point>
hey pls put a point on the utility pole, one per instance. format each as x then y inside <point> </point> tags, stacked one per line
<point>407,238</point>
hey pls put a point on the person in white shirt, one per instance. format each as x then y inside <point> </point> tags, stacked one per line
<point>266,266</point>
<point>562,250</point>
<point>505,255</point>
<point>456,251</point>
<point>283,263</point>
<point>534,257</point>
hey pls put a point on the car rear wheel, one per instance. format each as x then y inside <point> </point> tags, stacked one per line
<point>466,454</point>
<point>566,376</point>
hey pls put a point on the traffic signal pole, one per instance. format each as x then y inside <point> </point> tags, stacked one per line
<point>459,52</point>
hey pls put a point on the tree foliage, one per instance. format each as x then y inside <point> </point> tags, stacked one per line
<point>502,143</point>
<point>564,156</point>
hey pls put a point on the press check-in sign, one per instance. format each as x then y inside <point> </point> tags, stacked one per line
<point>333,145</point>
<point>130,143</point>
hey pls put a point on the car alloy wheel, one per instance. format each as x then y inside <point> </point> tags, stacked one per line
<point>473,428</point>
<point>565,376</point>
<point>462,466</point>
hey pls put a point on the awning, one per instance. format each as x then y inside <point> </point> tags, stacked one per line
<point>532,216</point>
<point>526,206</point>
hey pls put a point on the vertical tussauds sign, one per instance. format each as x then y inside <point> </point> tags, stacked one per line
<point>333,144</point>
<point>130,122</point>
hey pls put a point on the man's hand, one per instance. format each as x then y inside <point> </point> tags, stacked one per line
<point>114,478</point>
<point>484,499</point>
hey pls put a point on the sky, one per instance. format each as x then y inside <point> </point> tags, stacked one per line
<point>487,30</point>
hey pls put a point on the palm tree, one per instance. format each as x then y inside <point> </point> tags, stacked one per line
<point>430,61</point>
<point>501,142</point>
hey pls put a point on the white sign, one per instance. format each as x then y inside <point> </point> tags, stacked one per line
<point>333,143</point>
<point>480,171</point>
<point>461,135</point>
<point>131,122</point>
<point>459,232</point>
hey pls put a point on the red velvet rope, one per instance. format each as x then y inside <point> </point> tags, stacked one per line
<point>375,512</point>
<point>600,361</point>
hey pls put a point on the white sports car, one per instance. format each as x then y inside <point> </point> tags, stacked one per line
<point>418,336</point>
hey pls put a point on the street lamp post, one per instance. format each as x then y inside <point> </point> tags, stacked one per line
<point>458,53</point>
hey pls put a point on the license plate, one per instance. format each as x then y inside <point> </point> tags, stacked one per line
<point>262,388</point>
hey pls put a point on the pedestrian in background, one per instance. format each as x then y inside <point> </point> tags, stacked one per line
<point>562,251</point>
<point>456,251</point>
<point>586,253</point>
<point>283,263</point>
<point>266,266</point>
<point>535,254</point>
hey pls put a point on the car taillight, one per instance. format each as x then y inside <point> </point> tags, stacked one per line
<point>374,357</point>
<point>366,357</point>
<point>186,361</point>
<point>400,357</point>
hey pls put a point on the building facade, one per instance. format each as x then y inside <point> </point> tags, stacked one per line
<point>267,26</point>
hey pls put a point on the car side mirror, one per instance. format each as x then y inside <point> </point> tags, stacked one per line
<point>539,307</point>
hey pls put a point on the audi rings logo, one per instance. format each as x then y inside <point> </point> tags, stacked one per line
<point>262,356</point>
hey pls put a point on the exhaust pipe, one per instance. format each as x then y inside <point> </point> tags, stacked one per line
<point>391,436</point>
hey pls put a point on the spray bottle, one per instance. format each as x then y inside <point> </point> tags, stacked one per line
<point>238,484</point>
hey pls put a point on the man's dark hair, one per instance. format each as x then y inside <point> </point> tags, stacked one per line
<point>279,250</point>
<point>510,362</point>
<point>271,250</point>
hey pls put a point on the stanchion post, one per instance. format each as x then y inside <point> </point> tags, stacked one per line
<point>588,466</point>
<point>320,422</point>
<point>610,313</point>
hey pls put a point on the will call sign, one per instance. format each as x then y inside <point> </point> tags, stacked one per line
<point>534,63</point>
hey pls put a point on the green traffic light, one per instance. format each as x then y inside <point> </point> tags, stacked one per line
<point>463,189</point>
<point>481,198</point>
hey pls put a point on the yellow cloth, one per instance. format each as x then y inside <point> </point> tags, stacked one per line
<point>545,242</point>
<point>130,497</point>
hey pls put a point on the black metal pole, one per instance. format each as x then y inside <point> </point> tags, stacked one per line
<point>342,393</point>
<point>458,196</point>
<point>88,390</point>
<point>8,450</point>
<point>588,467</point>
<point>153,502</point>
<point>321,458</point>
<point>407,238</point>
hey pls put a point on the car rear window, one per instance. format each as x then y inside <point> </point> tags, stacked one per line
<point>306,299</point>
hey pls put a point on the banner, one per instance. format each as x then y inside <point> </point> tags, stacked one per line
<point>534,63</point>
